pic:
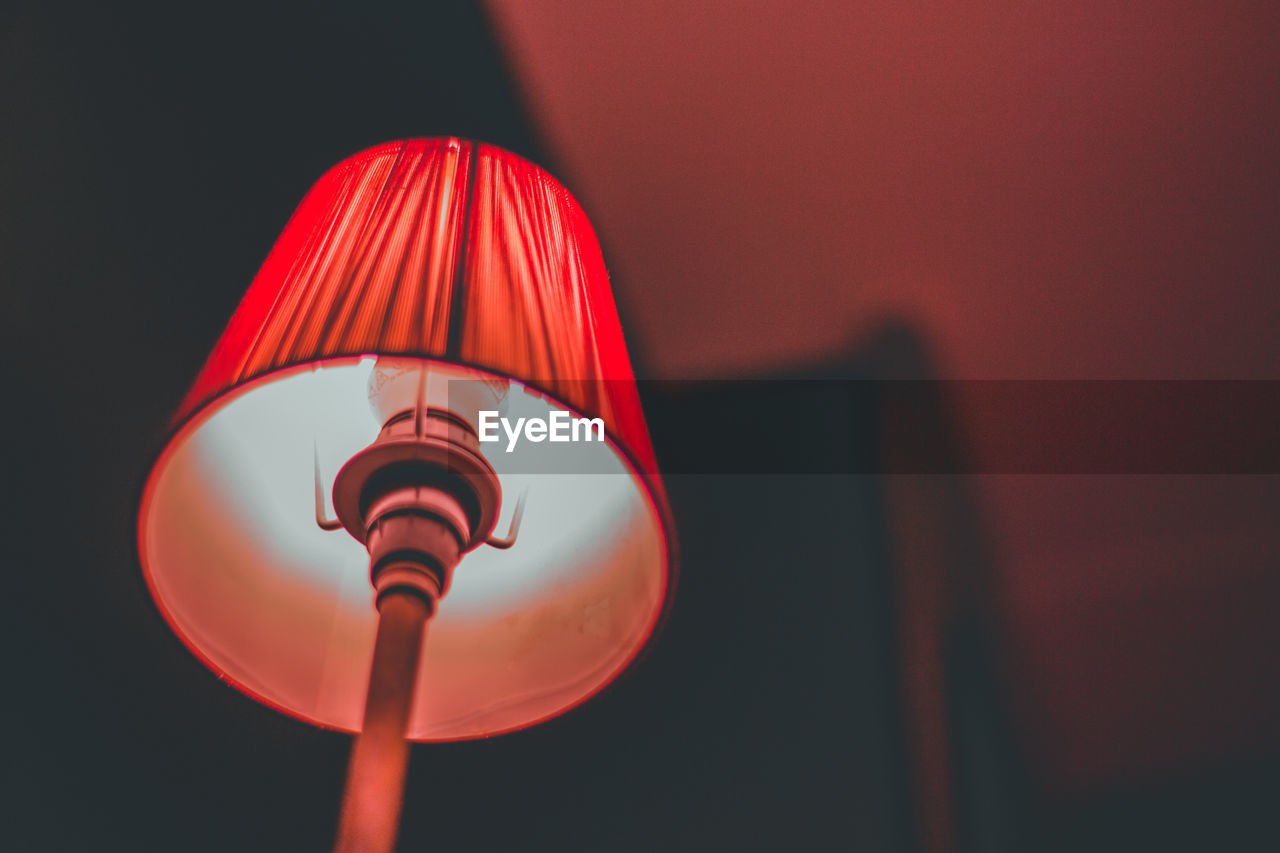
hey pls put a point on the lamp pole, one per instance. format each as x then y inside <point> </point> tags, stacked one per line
<point>374,794</point>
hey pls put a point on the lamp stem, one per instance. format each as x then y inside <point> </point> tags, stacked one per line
<point>380,756</point>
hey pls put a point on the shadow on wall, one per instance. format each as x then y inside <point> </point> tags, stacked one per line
<point>861,475</point>
<point>835,576</point>
<point>970,716</point>
<point>966,776</point>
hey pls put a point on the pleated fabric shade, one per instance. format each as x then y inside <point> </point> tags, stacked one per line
<point>465,262</point>
<point>441,248</point>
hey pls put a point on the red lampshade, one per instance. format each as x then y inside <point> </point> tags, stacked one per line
<point>475,275</point>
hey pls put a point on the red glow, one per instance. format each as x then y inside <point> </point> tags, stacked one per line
<point>370,261</point>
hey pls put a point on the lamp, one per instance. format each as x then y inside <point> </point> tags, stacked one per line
<point>425,296</point>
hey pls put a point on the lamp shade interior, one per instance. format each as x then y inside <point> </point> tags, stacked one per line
<point>231,548</point>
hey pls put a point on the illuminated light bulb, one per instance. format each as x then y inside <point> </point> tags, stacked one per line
<point>397,384</point>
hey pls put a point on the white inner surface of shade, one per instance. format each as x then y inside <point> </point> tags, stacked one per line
<point>283,609</point>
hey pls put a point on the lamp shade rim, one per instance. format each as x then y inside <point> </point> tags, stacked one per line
<point>190,422</point>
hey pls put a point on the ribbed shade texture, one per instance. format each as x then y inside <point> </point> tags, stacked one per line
<point>441,248</point>
<point>438,258</point>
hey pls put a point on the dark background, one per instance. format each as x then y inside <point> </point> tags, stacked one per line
<point>834,673</point>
